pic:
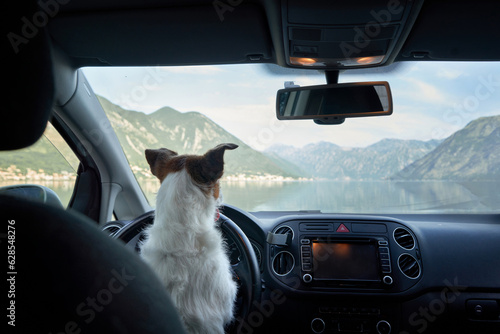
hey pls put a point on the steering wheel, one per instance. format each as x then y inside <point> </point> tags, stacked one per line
<point>246,271</point>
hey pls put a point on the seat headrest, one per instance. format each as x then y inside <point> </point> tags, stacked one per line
<point>29,82</point>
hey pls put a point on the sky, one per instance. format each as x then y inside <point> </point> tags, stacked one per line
<point>432,100</point>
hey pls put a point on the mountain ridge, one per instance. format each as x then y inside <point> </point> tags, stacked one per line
<point>185,133</point>
<point>470,153</point>
<point>374,162</point>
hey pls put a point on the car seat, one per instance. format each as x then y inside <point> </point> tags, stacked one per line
<point>64,275</point>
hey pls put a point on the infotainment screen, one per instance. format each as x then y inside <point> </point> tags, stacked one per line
<point>345,261</point>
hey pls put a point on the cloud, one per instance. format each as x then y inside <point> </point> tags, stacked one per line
<point>425,93</point>
<point>449,73</point>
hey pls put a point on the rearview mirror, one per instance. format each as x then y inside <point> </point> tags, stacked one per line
<point>331,104</point>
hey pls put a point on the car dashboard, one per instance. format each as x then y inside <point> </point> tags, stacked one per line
<point>408,273</point>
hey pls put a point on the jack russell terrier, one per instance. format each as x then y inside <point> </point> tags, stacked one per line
<point>184,246</point>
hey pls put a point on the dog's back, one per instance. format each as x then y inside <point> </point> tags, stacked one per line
<point>185,248</point>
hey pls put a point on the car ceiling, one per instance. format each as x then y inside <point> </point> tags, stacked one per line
<point>155,32</point>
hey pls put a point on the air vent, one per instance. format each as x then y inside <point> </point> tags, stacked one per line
<point>287,230</point>
<point>409,266</point>
<point>258,253</point>
<point>316,227</point>
<point>404,238</point>
<point>283,263</point>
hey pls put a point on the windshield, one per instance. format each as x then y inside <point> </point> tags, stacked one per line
<point>437,152</point>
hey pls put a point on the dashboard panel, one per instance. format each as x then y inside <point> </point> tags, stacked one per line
<point>331,273</point>
<point>345,255</point>
<point>418,273</point>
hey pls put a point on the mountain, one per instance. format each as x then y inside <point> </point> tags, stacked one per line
<point>43,155</point>
<point>472,153</point>
<point>469,154</point>
<point>191,133</point>
<point>377,161</point>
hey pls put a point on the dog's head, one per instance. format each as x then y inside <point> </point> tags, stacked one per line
<point>205,170</point>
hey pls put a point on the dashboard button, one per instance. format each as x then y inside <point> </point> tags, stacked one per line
<point>383,250</point>
<point>483,309</point>
<point>386,269</point>
<point>307,278</point>
<point>384,256</point>
<point>318,325</point>
<point>387,280</point>
<point>306,248</point>
<point>383,327</point>
<point>342,229</point>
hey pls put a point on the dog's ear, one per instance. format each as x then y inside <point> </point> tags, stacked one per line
<point>157,159</point>
<point>210,167</point>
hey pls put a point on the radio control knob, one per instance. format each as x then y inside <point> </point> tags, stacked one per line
<point>387,280</point>
<point>307,278</point>
<point>383,327</point>
<point>318,325</point>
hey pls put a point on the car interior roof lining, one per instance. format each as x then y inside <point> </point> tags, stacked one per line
<point>155,32</point>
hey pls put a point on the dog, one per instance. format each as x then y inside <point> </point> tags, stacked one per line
<point>184,246</point>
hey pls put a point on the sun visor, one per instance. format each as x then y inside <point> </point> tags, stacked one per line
<point>452,30</point>
<point>165,36</point>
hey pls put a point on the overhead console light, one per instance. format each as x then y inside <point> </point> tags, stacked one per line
<point>344,34</point>
<point>306,61</point>
<point>346,62</point>
<point>369,60</point>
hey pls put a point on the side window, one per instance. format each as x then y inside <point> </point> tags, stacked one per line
<point>49,162</point>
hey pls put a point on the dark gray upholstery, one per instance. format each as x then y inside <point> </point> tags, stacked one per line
<point>67,275</point>
<point>33,192</point>
<point>29,84</point>
<point>72,276</point>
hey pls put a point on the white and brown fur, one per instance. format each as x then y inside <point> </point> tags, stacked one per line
<point>183,246</point>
